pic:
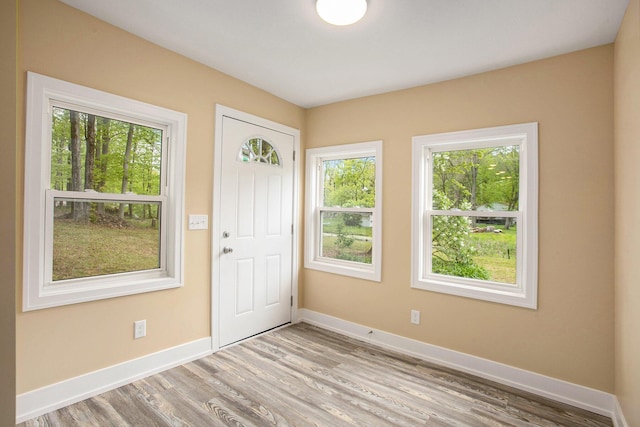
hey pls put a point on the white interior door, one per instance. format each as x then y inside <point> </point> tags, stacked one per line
<point>256,223</point>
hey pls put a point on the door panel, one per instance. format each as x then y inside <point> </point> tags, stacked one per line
<point>245,210</point>
<point>256,210</point>
<point>273,279</point>
<point>243,283</point>
<point>274,206</point>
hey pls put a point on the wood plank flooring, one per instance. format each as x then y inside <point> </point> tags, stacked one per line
<point>305,376</point>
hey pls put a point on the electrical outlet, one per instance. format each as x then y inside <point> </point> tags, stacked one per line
<point>415,317</point>
<point>198,222</point>
<point>139,329</point>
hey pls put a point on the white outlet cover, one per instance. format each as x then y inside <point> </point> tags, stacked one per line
<point>139,329</point>
<point>415,317</point>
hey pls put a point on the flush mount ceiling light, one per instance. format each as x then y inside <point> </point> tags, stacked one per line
<point>341,12</point>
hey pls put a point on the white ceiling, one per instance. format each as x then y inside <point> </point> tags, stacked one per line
<point>283,47</point>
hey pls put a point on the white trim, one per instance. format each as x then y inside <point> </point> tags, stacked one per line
<point>562,391</point>
<point>55,396</point>
<point>313,209</point>
<point>525,291</point>
<point>42,92</point>
<point>617,416</point>
<point>221,112</point>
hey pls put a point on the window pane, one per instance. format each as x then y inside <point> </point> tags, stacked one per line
<point>94,238</point>
<point>96,153</point>
<point>481,179</point>
<point>486,250</point>
<point>350,182</point>
<point>347,236</point>
<point>259,150</point>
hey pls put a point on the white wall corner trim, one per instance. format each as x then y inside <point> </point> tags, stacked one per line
<point>55,396</point>
<point>562,391</point>
<point>618,417</point>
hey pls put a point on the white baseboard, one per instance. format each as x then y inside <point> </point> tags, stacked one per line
<point>618,416</point>
<point>576,395</point>
<point>55,396</point>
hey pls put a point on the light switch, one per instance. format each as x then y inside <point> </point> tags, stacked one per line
<point>198,222</point>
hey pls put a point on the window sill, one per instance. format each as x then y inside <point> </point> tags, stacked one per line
<point>502,294</point>
<point>84,290</point>
<point>344,268</point>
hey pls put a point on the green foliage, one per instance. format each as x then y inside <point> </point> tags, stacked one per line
<point>350,182</point>
<point>478,177</point>
<point>111,141</point>
<point>342,239</point>
<point>359,251</point>
<point>352,220</point>
<point>496,253</point>
<point>330,225</point>
<point>451,255</point>
<point>470,270</point>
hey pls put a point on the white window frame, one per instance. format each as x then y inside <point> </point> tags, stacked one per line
<point>38,290</point>
<point>524,292</point>
<point>314,209</point>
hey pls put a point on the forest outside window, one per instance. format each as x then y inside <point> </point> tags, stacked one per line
<point>344,193</point>
<point>475,214</point>
<point>103,195</point>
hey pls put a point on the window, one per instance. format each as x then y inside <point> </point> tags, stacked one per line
<point>475,207</point>
<point>260,151</point>
<point>103,195</point>
<point>344,210</point>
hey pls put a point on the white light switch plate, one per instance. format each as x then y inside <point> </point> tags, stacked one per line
<point>198,222</point>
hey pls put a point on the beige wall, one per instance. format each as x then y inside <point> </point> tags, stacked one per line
<point>7,212</point>
<point>56,40</point>
<point>570,336</point>
<point>627,194</point>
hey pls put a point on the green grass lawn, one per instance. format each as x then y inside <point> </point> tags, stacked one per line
<point>360,248</point>
<point>496,253</point>
<point>84,249</point>
<point>331,227</point>
<point>359,251</point>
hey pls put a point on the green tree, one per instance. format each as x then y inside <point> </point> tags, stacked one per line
<point>90,152</point>
<point>350,182</point>
<point>342,239</point>
<point>450,253</point>
<point>479,177</point>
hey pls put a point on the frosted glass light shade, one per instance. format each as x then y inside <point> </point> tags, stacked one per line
<point>341,12</point>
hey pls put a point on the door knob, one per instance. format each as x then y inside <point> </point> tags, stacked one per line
<point>227,250</point>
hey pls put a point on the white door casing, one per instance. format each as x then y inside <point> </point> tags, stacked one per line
<point>254,247</point>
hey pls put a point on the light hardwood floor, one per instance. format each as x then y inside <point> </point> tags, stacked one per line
<point>305,376</point>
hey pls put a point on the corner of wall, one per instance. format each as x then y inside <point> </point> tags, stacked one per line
<point>8,190</point>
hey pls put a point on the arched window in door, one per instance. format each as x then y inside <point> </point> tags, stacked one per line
<point>259,150</point>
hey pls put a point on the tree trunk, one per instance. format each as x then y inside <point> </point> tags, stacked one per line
<point>89,158</point>
<point>76,162</point>
<point>512,204</point>
<point>125,169</point>
<point>102,155</point>
<point>474,187</point>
